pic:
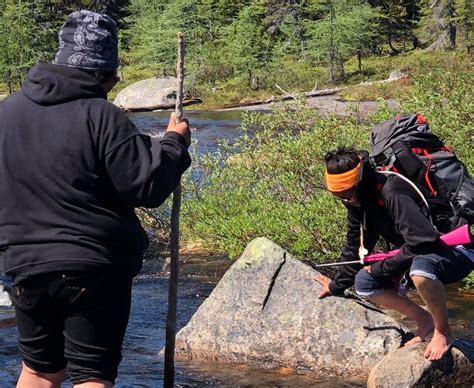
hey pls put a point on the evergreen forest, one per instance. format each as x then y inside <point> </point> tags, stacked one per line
<point>238,48</point>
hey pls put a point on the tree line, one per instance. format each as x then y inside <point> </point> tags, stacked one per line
<point>251,41</point>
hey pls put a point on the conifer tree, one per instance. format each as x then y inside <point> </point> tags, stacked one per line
<point>346,26</point>
<point>465,21</point>
<point>247,48</point>
<point>400,21</point>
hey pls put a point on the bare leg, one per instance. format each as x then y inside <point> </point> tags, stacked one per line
<point>433,294</point>
<point>95,384</point>
<point>389,298</point>
<point>30,378</point>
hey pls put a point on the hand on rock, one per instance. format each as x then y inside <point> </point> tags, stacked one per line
<point>324,281</point>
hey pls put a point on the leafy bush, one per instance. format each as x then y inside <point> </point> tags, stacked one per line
<point>272,187</point>
<point>469,281</point>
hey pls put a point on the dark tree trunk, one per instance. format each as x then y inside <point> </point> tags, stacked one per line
<point>331,44</point>
<point>342,72</point>
<point>451,24</point>
<point>390,44</point>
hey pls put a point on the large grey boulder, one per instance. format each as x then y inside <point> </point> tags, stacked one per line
<point>148,94</point>
<point>407,367</point>
<point>265,310</point>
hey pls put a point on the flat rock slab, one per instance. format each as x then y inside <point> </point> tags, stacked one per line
<point>407,367</point>
<point>266,311</point>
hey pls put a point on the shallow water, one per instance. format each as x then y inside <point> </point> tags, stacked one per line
<point>208,128</point>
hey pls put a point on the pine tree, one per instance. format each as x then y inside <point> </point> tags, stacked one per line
<point>345,28</point>
<point>400,21</point>
<point>247,48</point>
<point>440,24</point>
<point>465,21</point>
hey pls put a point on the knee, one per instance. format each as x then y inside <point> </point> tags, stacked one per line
<point>94,384</point>
<point>366,285</point>
<point>423,268</point>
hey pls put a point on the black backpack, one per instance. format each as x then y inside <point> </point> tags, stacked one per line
<point>405,145</point>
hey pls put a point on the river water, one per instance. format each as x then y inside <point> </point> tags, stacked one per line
<point>141,365</point>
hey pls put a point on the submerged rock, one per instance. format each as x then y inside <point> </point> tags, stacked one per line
<point>5,299</point>
<point>266,311</point>
<point>407,367</point>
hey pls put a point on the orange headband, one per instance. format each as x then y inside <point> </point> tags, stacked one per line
<point>341,182</point>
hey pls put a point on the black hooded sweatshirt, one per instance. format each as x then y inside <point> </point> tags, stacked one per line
<point>72,169</point>
<point>392,209</point>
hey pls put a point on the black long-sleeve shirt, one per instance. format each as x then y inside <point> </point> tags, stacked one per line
<point>72,169</point>
<point>395,212</point>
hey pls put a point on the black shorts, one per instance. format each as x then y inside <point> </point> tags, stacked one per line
<point>75,320</point>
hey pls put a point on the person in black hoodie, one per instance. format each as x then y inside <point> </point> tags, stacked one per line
<point>387,206</point>
<point>72,169</point>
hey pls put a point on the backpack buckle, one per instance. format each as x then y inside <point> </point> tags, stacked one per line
<point>390,156</point>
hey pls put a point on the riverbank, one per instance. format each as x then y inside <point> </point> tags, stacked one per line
<point>358,84</point>
<point>152,95</point>
<point>330,101</point>
<point>325,105</point>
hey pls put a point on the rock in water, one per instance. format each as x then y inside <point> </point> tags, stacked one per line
<point>4,296</point>
<point>148,94</point>
<point>407,367</point>
<point>265,310</point>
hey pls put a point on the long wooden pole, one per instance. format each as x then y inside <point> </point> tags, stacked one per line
<point>174,239</point>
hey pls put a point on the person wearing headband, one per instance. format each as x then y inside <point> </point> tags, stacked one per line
<point>73,168</point>
<point>342,184</point>
<point>387,206</point>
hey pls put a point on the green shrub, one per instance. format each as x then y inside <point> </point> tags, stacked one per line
<point>272,187</point>
<point>469,281</point>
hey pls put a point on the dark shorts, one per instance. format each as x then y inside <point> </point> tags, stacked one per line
<point>75,320</point>
<point>448,266</point>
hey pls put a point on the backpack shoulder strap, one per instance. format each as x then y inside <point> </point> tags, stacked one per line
<point>412,185</point>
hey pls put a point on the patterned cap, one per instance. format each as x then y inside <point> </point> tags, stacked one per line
<point>88,40</point>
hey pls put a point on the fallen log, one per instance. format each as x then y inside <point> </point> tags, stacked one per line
<point>160,107</point>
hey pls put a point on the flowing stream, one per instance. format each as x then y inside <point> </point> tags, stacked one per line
<point>142,366</point>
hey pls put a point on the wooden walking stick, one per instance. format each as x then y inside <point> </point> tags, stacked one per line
<point>174,239</point>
